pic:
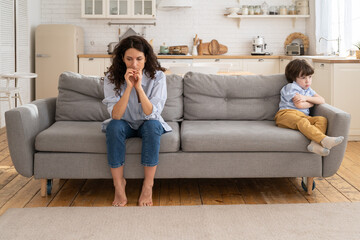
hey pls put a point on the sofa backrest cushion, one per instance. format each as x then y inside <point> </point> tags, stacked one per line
<point>80,98</point>
<point>243,97</point>
<point>174,106</point>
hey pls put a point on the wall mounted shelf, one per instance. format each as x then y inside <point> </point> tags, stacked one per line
<point>293,17</point>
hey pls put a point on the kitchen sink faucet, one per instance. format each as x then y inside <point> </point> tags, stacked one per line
<point>338,43</point>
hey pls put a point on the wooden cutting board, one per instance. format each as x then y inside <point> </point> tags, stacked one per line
<point>214,47</point>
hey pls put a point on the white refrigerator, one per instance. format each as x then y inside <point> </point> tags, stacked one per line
<point>56,50</point>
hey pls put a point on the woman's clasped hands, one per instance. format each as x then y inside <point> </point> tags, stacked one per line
<point>133,78</point>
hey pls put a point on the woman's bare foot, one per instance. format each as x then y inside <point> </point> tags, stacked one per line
<point>120,199</point>
<point>146,195</point>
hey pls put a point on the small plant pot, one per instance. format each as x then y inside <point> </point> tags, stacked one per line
<point>357,54</point>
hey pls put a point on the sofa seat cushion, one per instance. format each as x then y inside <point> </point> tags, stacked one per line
<point>86,137</point>
<point>244,136</point>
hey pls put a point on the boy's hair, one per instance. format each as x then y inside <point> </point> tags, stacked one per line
<point>298,68</point>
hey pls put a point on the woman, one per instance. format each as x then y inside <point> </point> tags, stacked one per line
<point>135,95</point>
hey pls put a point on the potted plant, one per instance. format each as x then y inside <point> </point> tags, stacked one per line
<point>357,51</point>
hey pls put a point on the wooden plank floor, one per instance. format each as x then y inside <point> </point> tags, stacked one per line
<point>17,191</point>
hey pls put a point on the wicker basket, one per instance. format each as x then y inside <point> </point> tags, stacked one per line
<point>357,54</point>
<point>183,49</point>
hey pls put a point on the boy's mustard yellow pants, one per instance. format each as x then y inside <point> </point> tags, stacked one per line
<point>314,128</point>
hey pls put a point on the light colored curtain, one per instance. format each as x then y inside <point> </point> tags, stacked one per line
<point>333,20</point>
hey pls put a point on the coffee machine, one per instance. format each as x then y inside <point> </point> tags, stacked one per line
<point>259,46</point>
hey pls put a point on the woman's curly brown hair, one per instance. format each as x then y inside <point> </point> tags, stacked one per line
<point>117,69</point>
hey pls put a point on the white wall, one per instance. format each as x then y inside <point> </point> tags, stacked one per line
<point>206,18</point>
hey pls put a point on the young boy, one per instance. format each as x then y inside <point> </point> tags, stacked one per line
<point>296,99</point>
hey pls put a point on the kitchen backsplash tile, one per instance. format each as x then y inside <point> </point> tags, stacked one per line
<point>177,27</point>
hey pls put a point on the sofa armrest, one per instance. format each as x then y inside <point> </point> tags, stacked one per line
<point>23,124</point>
<point>338,125</point>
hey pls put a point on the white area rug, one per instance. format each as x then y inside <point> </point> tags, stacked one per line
<point>276,221</point>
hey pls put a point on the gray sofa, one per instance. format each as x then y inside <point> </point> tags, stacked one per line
<point>222,128</point>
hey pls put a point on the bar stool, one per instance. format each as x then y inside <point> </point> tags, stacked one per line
<point>8,92</point>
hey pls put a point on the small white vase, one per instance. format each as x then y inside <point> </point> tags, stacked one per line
<point>194,51</point>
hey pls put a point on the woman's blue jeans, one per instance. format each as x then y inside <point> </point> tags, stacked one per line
<point>119,130</point>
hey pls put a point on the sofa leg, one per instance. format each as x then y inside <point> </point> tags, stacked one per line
<point>43,187</point>
<point>309,181</point>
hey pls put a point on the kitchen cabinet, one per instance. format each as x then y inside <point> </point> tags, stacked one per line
<point>144,8</point>
<point>93,8</point>
<point>261,66</point>
<point>338,83</point>
<point>94,66</point>
<point>118,9</point>
<point>167,63</point>
<point>282,65</point>
<point>323,81</point>
<point>225,65</point>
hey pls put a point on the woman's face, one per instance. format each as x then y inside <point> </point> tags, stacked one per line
<point>134,59</point>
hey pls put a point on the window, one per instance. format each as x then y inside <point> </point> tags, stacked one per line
<point>334,22</point>
<point>14,45</point>
<point>355,22</point>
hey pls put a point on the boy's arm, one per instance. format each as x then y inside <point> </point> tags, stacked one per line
<point>300,101</point>
<point>303,105</point>
<point>316,99</point>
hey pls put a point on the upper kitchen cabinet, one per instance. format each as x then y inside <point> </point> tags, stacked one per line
<point>119,9</point>
<point>144,8</point>
<point>93,8</point>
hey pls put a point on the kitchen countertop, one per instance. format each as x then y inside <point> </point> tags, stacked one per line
<point>336,60</point>
<point>188,56</point>
<point>321,59</point>
<point>325,59</point>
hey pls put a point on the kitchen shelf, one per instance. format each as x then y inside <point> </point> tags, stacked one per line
<point>239,17</point>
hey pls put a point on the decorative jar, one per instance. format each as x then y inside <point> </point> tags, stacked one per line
<point>264,8</point>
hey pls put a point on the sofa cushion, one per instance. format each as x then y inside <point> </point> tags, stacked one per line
<point>244,97</point>
<point>247,136</point>
<point>80,98</point>
<point>86,137</point>
<point>174,106</point>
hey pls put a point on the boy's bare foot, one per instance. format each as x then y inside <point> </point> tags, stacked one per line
<point>146,195</point>
<point>120,199</point>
